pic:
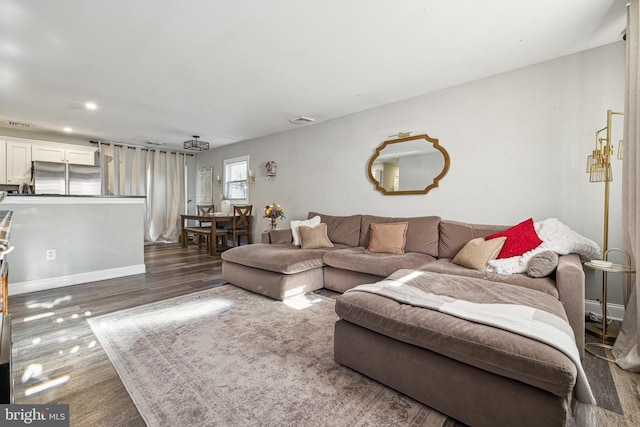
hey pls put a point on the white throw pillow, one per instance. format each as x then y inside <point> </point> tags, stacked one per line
<point>294,225</point>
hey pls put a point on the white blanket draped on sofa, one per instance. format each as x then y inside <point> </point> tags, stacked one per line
<point>556,237</point>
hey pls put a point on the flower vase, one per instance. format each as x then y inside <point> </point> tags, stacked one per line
<point>225,207</point>
<point>273,224</point>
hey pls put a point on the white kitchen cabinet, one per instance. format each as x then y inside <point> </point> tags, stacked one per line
<point>80,156</point>
<point>3,162</point>
<point>18,162</point>
<point>63,153</point>
<point>47,153</point>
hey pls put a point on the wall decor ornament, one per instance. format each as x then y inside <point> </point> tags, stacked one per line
<point>271,168</point>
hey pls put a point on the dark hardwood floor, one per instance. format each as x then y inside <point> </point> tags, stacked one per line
<point>53,342</point>
<point>55,347</point>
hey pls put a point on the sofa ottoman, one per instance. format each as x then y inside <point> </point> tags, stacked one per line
<point>278,271</point>
<point>478,374</point>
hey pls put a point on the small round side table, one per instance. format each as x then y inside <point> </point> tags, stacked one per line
<point>602,331</point>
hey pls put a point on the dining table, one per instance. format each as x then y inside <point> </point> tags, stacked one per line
<point>214,219</point>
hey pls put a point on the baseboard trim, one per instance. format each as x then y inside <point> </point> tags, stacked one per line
<point>614,311</point>
<point>74,279</point>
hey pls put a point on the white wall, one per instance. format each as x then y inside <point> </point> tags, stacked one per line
<point>518,143</point>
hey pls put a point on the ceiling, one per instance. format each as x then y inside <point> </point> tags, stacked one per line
<point>229,71</point>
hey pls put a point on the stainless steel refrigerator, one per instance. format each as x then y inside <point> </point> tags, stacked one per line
<point>62,178</point>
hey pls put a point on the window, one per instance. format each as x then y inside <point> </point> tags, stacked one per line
<point>236,184</point>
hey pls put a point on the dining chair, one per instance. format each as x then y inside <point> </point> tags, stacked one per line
<point>240,223</point>
<point>204,210</point>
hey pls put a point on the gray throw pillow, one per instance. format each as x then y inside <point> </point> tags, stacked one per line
<point>542,264</point>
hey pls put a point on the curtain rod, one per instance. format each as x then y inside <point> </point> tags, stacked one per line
<point>121,144</point>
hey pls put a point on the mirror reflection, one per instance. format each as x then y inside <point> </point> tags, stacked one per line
<point>411,165</point>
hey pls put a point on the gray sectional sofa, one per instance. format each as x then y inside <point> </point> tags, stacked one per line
<point>475,373</point>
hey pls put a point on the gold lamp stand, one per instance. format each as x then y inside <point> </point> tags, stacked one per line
<point>599,170</point>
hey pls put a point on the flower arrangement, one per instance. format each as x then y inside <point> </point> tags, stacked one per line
<point>273,212</point>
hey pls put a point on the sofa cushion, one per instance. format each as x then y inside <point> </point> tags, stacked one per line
<point>422,232</point>
<point>378,264</point>
<point>282,258</point>
<point>445,266</point>
<point>314,237</point>
<point>491,349</point>
<point>477,252</point>
<point>521,238</point>
<point>388,238</point>
<point>455,234</point>
<point>341,229</point>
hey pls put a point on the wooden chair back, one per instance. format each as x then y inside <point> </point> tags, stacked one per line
<point>205,210</point>
<point>241,216</point>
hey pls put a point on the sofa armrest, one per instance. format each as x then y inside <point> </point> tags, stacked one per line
<point>277,236</point>
<point>570,284</point>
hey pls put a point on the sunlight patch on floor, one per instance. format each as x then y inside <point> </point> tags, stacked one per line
<point>48,304</point>
<point>46,385</point>
<point>38,316</point>
<point>33,370</point>
<point>302,301</point>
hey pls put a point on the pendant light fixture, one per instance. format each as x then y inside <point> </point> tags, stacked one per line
<point>195,144</point>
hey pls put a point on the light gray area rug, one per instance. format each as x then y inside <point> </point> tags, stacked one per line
<point>228,357</point>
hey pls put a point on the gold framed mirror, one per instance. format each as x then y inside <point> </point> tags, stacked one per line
<point>408,165</point>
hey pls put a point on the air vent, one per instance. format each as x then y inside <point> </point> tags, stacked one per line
<point>302,120</point>
<point>151,142</point>
<point>19,124</point>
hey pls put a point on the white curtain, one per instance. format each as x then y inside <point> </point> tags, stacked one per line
<point>626,349</point>
<point>158,175</point>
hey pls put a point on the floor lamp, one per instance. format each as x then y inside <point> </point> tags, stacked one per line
<point>599,170</point>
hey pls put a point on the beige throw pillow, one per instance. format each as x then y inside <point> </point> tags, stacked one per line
<point>314,237</point>
<point>476,253</point>
<point>388,237</point>
<point>295,226</point>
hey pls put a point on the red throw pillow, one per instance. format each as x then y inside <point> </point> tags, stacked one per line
<point>521,238</point>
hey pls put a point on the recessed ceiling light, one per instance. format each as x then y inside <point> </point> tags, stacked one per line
<point>90,106</point>
<point>67,129</point>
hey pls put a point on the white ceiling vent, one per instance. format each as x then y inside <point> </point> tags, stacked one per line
<point>301,120</point>
<point>19,124</point>
<point>152,142</point>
